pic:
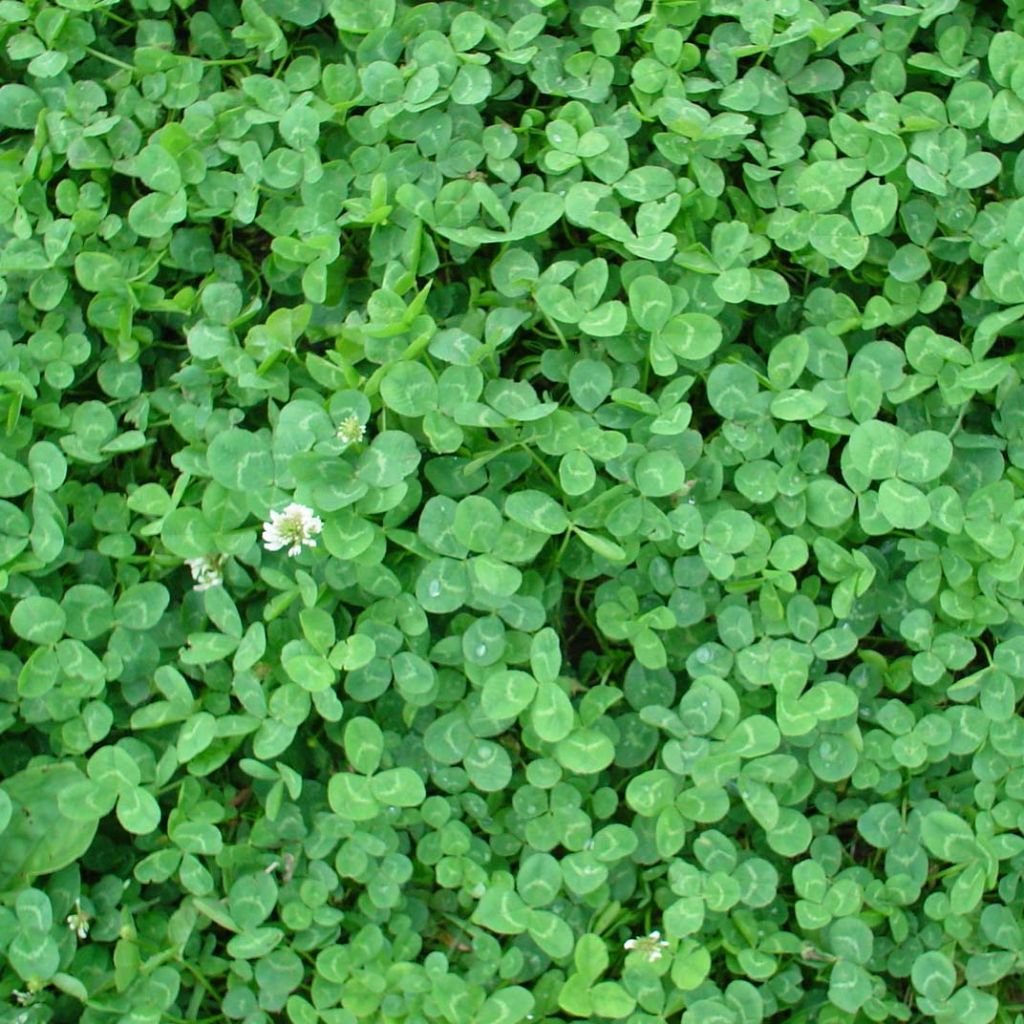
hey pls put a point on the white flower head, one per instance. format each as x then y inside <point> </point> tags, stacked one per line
<point>351,429</point>
<point>23,998</point>
<point>206,571</point>
<point>652,947</point>
<point>78,922</point>
<point>295,526</point>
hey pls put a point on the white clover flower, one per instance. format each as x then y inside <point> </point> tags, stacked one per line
<point>206,571</point>
<point>351,429</point>
<point>295,526</point>
<point>78,922</point>
<point>23,998</point>
<point>651,947</point>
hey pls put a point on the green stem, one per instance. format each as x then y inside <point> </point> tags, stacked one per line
<point>227,61</point>
<point>100,55</point>
<point>959,420</point>
<point>114,17</point>
<point>201,978</point>
<point>545,469</point>
<point>583,615</point>
<point>561,548</point>
<point>558,331</point>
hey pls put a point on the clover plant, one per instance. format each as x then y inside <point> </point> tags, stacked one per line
<point>511,511</point>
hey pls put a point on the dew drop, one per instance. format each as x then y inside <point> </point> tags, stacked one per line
<point>434,590</point>
<point>480,650</point>
<point>704,655</point>
<point>826,749</point>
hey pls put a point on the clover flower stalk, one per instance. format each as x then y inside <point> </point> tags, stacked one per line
<point>207,571</point>
<point>652,947</point>
<point>294,527</point>
<point>351,429</point>
<point>78,922</point>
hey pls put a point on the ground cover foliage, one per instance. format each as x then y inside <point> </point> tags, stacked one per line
<point>511,511</point>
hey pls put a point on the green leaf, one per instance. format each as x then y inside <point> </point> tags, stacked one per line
<point>508,693</point>
<point>391,457</point>
<point>611,1001</point>
<point>539,880</point>
<point>948,837</point>
<point>241,461</point>
<point>797,404</point>
<point>875,449</point>
<point>158,170</point>
<point>364,744</point>
<point>972,1005</point>
<point>650,301</point>
<point>40,620</point>
<point>138,811</point>
<point>590,383</point>
<point>903,505</point>
<point>537,511</point>
<point>400,787</point>
<point>20,106</point>
<point>155,214</point>
<point>410,389</point>
<point>849,986</point>
<point>974,171</point>
<point>659,474</point>
<point>351,797</point>
<point>545,656</point>
<point>488,766</point>
<point>141,606</point>
<point>692,336</point>
<point>15,479</point>
<point>851,939</point>
<point>33,954</point>
<point>829,504</point>
<point>40,839</point>
<point>821,186</point>
<point>536,213</point>
<point>873,205</point>
<point>753,737</point>
<point>838,240</point>
<point>502,911</point>
<point>925,456</point>
<point>551,933</point>
<point>551,714</point>
<point>585,751</point>
<point>934,976</point>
